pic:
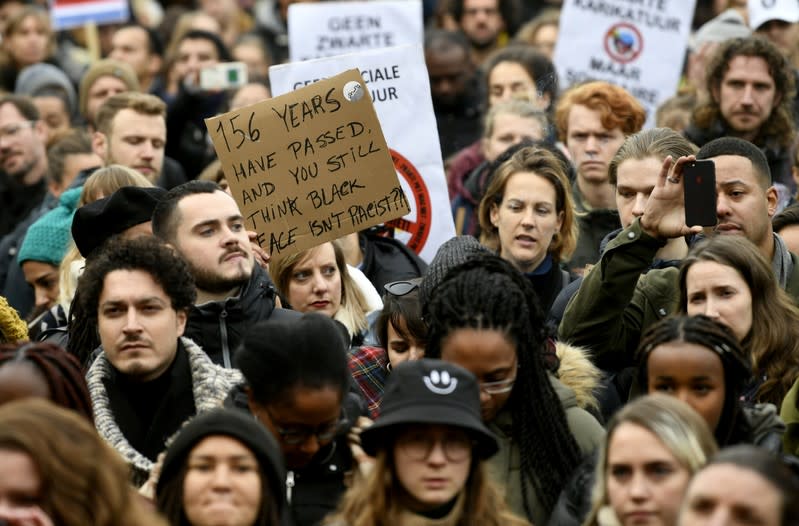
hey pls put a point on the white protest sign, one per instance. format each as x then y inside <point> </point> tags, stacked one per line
<point>397,80</point>
<point>637,44</point>
<point>326,29</point>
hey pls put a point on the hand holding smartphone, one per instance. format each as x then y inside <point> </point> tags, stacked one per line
<point>225,75</point>
<point>699,187</point>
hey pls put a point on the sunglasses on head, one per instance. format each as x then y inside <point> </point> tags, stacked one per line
<point>401,288</point>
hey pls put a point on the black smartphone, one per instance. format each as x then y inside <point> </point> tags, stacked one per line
<point>699,185</point>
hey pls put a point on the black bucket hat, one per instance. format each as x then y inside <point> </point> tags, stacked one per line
<point>430,392</point>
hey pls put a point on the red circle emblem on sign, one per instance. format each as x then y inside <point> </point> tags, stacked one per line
<point>623,42</point>
<point>420,228</point>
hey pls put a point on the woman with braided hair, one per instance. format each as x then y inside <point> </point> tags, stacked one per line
<point>699,361</point>
<point>43,370</point>
<point>484,316</point>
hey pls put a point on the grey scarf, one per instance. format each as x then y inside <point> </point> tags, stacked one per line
<point>782,264</point>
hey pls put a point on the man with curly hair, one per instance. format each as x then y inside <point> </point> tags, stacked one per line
<point>136,294</point>
<point>751,91</point>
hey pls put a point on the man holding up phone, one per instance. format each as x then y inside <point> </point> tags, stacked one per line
<point>187,140</point>
<point>613,306</point>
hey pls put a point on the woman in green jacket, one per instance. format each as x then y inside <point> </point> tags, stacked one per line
<point>484,316</point>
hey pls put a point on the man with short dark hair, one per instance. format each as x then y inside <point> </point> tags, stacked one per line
<point>140,48</point>
<point>149,379</point>
<point>751,88</point>
<point>483,22</point>
<point>617,301</point>
<point>187,140</point>
<point>205,225</point>
<point>23,160</point>
<point>66,161</point>
<point>455,87</point>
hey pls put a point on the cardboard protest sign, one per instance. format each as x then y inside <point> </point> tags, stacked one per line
<point>397,80</point>
<point>67,14</point>
<point>310,166</point>
<point>326,29</point>
<point>640,47</point>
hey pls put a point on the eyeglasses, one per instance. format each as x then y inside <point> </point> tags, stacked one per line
<point>500,387</point>
<point>401,288</point>
<point>419,445</point>
<point>11,131</point>
<point>294,436</point>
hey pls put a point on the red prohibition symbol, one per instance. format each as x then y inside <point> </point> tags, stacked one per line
<point>419,229</point>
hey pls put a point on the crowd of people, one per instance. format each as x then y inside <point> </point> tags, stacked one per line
<point>579,354</point>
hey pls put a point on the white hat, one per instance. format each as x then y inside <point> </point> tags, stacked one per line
<point>761,11</point>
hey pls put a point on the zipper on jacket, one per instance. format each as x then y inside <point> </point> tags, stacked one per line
<point>289,485</point>
<point>223,333</point>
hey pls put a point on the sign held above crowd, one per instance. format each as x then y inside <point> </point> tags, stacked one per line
<point>326,29</point>
<point>639,47</point>
<point>309,166</point>
<point>399,86</point>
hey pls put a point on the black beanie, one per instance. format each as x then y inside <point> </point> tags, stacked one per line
<point>454,252</point>
<point>95,222</point>
<point>235,424</point>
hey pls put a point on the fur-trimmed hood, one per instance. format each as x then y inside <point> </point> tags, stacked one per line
<point>210,385</point>
<point>577,372</point>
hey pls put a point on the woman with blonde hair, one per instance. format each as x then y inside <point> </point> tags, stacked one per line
<point>431,446</point>
<point>527,217</point>
<point>56,469</point>
<point>653,447</point>
<point>319,280</point>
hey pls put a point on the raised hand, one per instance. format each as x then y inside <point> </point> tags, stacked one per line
<point>664,214</point>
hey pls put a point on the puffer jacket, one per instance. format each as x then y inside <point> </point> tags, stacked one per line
<point>219,326</point>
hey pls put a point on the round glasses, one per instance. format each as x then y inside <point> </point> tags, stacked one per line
<point>500,387</point>
<point>457,446</point>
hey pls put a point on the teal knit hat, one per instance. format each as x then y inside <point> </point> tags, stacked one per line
<point>48,238</point>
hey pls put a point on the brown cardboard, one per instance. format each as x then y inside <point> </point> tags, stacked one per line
<point>309,166</point>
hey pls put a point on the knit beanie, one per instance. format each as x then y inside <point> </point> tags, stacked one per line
<point>727,25</point>
<point>235,424</point>
<point>106,68</point>
<point>33,79</point>
<point>48,238</point>
<point>457,250</point>
<point>127,207</point>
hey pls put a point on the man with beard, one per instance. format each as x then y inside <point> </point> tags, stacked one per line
<point>23,160</point>
<point>455,87</point>
<point>751,88</point>
<point>622,295</point>
<point>485,23</point>
<point>205,225</point>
